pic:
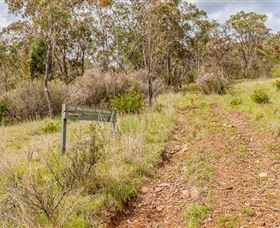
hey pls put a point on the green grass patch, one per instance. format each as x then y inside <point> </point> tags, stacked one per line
<point>260,96</point>
<point>199,169</point>
<point>277,85</point>
<point>227,221</point>
<point>236,101</point>
<point>195,214</point>
<point>247,212</point>
<point>51,127</point>
<point>264,116</point>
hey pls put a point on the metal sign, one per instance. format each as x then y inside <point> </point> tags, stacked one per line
<point>70,112</point>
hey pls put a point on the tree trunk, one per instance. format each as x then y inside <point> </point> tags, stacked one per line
<point>83,61</point>
<point>47,78</point>
<point>49,59</point>
<point>169,70</point>
<point>65,67</point>
<point>150,92</point>
<point>5,78</point>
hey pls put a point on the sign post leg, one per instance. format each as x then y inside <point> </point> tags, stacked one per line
<point>114,121</point>
<point>63,130</point>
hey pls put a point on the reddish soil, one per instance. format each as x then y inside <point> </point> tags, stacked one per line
<point>243,191</point>
<point>247,188</point>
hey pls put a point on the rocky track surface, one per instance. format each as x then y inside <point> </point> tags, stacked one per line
<point>241,190</point>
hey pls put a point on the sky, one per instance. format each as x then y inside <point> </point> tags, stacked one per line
<point>5,17</point>
<point>216,9</point>
<point>222,9</point>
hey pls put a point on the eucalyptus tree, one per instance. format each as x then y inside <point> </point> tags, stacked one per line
<point>46,18</point>
<point>102,34</point>
<point>248,30</point>
<point>160,41</point>
<point>271,48</point>
<point>14,42</point>
<point>73,45</point>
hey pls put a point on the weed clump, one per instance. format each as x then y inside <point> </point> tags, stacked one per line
<point>130,102</point>
<point>247,212</point>
<point>260,96</point>
<point>195,214</point>
<point>236,101</point>
<point>158,108</point>
<point>50,127</point>
<point>277,85</point>
<point>3,113</point>
<point>210,83</point>
<point>275,72</point>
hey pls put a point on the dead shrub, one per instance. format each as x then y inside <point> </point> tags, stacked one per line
<point>209,83</point>
<point>27,101</point>
<point>97,88</point>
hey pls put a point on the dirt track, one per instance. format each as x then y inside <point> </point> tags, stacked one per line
<point>242,191</point>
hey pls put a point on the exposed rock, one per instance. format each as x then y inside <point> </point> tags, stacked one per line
<point>164,185</point>
<point>145,189</point>
<point>263,175</point>
<point>186,193</point>
<point>195,193</point>
<point>158,189</point>
<point>160,208</point>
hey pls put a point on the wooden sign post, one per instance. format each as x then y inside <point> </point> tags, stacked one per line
<point>70,112</point>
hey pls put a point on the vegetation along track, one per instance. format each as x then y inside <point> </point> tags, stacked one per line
<point>223,172</point>
<point>161,198</point>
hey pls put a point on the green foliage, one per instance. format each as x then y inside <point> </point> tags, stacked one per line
<point>247,212</point>
<point>275,71</point>
<point>277,85</point>
<point>96,88</point>
<point>190,88</point>
<point>236,101</point>
<point>192,76</point>
<point>59,183</point>
<point>227,221</point>
<point>37,59</point>
<point>273,59</point>
<point>159,107</point>
<point>248,29</point>
<point>50,127</point>
<point>195,214</point>
<point>131,125</point>
<point>3,113</point>
<point>260,96</point>
<point>86,179</point>
<point>130,102</point>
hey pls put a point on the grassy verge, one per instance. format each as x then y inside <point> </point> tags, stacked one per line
<point>100,173</point>
<point>265,116</point>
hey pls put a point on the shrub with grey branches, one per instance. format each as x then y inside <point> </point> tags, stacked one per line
<point>210,83</point>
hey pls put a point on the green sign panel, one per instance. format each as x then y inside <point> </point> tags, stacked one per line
<point>70,112</point>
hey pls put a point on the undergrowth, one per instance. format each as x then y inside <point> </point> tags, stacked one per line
<point>50,127</point>
<point>260,96</point>
<point>96,177</point>
<point>195,213</point>
<point>262,109</point>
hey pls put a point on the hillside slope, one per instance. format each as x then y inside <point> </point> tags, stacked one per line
<point>224,168</point>
<point>218,167</point>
